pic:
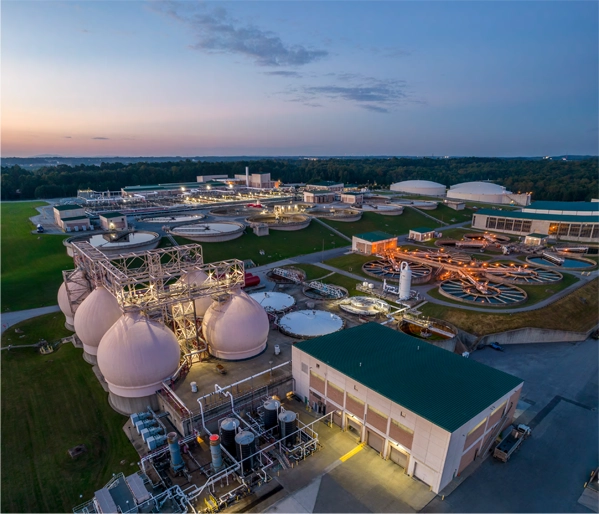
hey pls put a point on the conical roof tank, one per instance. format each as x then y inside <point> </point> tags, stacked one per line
<point>96,314</point>
<point>136,355</point>
<point>76,290</point>
<point>197,277</point>
<point>236,327</point>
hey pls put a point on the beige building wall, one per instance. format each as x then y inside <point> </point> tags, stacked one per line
<point>435,455</point>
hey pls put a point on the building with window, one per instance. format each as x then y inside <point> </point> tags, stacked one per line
<point>352,198</point>
<point>373,243</point>
<point>421,234</point>
<point>568,221</point>
<point>319,196</point>
<point>430,411</point>
<point>113,221</point>
<point>71,218</point>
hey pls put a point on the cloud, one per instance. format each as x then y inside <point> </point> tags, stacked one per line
<point>101,138</point>
<point>68,137</point>
<point>368,93</point>
<point>282,73</point>
<point>216,32</point>
<point>85,31</point>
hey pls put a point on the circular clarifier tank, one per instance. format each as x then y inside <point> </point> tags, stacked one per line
<point>165,220</point>
<point>292,221</point>
<point>274,302</point>
<point>568,263</point>
<point>112,243</point>
<point>307,324</point>
<point>210,232</point>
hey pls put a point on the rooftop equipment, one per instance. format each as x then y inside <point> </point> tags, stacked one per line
<point>271,409</point>
<point>228,429</point>
<point>149,432</point>
<point>155,441</point>
<point>287,426</point>
<point>175,451</point>
<point>246,445</point>
<point>216,452</point>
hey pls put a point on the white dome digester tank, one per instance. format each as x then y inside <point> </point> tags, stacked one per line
<point>235,326</point>
<point>76,289</point>
<point>197,278</point>
<point>135,356</point>
<point>93,318</point>
<point>405,281</point>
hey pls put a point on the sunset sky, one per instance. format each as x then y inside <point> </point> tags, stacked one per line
<point>155,78</point>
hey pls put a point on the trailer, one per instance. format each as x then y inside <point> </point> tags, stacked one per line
<point>505,449</point>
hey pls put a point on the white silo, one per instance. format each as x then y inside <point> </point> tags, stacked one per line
<point>405,281</point>
<point>96,314</point>
<point>134,357</point>
<point>77,289</point>
<point>197,277</point>
<point>235,326</point>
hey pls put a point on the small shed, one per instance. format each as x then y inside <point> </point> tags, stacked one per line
<point>113,221</point>
<point>421,234</point>
<point>373,243</point>
<point>456,205</point>
<point>535,239</point>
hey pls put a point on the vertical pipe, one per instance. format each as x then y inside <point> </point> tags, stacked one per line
<point>247,176</point>
<point>175,450</point>
<point>215,450</point>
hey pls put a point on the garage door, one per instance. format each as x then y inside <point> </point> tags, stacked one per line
<point>423,473</point>
<point>400,458</point>
<point>337,418</point>
<point>354,427</point>
<point>375,441</point>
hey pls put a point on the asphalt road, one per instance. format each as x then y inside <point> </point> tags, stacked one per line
<point>559,402</point>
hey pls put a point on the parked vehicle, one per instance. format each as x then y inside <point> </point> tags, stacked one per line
<point>40,229</point>
<point>497,346</point>
<point>504,450</point>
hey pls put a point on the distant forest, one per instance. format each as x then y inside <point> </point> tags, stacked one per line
<point>547,179</point>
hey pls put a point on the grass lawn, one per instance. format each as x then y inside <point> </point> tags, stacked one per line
<point>31,263</point>
<point>49,325</point>
<point>51,403</point>
<point>394,225</point>
<point>449,215</point>
<point>313,272</point>
<point>352,263</point>
<point>535,293</point>
<point>277,246</point>
<point>343,281</point>
<point>576,312</point>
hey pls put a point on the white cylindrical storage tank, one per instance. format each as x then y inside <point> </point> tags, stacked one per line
<point>76,290</point>
<point>96,314</point>
<point>405,281</point>
<point>486,192</point>
<point>419,187</point>
<point>235,327</point>
<point>134,357</point>
<point>197,277</point>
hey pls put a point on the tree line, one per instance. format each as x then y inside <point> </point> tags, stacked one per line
<point>546,179</point>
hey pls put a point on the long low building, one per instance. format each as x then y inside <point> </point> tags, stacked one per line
<point>431,411</point>
<point>373,243</point>
<point>568,221</point>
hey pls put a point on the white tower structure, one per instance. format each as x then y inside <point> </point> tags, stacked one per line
<point>405,281</point>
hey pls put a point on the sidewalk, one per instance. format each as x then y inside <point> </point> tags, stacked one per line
<point>12,318</point>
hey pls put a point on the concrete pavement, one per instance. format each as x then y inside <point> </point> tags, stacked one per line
<point>12,318</point>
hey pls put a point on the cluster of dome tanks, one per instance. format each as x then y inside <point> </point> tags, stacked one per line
<point>136,354</point>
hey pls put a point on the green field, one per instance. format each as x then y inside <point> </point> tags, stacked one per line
<point>31,263</point>
<point>394,225</point>
<point>577,312</point>
<point>51,403</point>
<point>449,215</point>
<point>277,246</point>
<point>352,263</point>
<point>49,325</point>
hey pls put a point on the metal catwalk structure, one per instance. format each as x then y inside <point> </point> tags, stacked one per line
<point>150,282</point>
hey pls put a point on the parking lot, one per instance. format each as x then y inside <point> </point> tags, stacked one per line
<point>559,402</point>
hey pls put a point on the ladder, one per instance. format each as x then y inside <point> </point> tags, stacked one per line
<point>288,274</point>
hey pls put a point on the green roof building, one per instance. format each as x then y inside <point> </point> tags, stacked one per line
<point>428,409</point>
<point>373,243</point>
